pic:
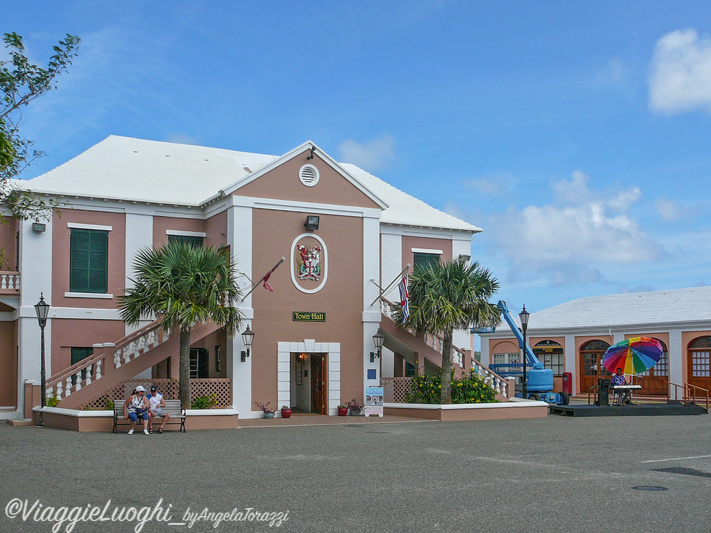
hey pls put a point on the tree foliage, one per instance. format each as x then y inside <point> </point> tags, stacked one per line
<point>21,82</point>
<point>183,286</point>
<point>449,296</point>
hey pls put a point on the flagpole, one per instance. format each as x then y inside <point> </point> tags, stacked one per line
<point>262,279</point>
<point>391,284</point>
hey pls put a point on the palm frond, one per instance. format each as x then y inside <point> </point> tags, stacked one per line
<point>183,286</point>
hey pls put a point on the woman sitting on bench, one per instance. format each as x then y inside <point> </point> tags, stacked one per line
<point>134,407</point>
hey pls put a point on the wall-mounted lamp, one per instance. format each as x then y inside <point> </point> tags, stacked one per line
<point>311,156</point>
<point>464,258</point>
<point>378,340</point>
<point>38,227</point>
<point>312,222</point>
<point>247,339</point>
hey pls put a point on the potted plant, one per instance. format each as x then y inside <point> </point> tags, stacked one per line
<point>342,410</point>
<point>268,412</point>
<point>285,411</point>
<point>354,407</point>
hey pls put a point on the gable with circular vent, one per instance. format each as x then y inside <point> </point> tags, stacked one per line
<point>308,175</point>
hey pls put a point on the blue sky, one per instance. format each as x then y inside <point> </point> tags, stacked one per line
<point>576,134</point>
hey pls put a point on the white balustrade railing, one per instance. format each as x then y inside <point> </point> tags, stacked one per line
<point>10,281</point>
<point>93,368</point>
<point>498,383</point>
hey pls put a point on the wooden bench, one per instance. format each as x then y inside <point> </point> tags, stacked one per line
<point>172,407</point>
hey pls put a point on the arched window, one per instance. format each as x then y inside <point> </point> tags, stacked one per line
<point>655,381</point>
<point>661,369</point>
<point>550,353</point>
<point>700,359</point>
<point>591,362</point>
<point>505,353</point>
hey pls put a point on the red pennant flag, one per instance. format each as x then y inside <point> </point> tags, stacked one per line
<point>266,285</point>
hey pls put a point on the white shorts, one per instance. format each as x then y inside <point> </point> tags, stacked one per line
<point>158,412</point>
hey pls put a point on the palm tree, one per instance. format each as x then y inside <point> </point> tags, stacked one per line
<point>449,296</point>
<point>183,286</point>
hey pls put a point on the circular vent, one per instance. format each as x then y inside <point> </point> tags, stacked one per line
<point>308,175</point>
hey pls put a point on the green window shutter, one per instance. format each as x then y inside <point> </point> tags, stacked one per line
<point>195,242</point>
<point>77,355</point>
<point>88,260</point>
<point>81,353</point>
<point>431,260</point>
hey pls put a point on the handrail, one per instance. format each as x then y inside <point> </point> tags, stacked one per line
<point>689,393</point>
<point>110,356</point>
<point>88,361</point>
<point>498,382</point>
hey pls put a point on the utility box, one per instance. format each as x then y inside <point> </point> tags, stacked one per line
<point>568,382</point>
<point>603,393</point>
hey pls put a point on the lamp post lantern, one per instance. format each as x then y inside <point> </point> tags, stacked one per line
<point>42,310</point>
<point>523,317</point>
<point>378,341</point>
<point>247,339</point>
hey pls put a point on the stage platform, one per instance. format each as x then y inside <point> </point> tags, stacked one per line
<point>645,409</point>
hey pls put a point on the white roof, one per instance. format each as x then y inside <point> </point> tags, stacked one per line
<point>404,209</point>
<point>639,308</point>
<point>124,168</point>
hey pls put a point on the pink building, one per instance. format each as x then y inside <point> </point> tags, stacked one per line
<point>571,338</point>
<point>313,334</point>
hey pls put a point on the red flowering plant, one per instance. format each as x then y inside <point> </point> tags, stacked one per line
<point>265,407</point>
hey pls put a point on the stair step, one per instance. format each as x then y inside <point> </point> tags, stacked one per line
<point>19,421</point>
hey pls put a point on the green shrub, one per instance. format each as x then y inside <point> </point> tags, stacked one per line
<point>52,401</point>
<point>108,403</point>
<point>469,389</point>
<point>205,402</point>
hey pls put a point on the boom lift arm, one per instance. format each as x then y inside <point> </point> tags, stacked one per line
<point>539,380</point>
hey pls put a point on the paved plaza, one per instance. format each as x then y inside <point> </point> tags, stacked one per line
<point>648,474</point>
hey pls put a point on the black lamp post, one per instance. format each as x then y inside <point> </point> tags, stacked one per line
<point>523,317</point>
<point>378,340</point>
<point>42,310</point>
<point>247,339</point>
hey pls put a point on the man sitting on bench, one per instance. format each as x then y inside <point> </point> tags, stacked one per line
<point>156,403</point>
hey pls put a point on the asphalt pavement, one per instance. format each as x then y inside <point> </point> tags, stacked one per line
<point>646,474</point>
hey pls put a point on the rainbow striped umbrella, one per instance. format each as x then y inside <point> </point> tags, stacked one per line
<point>633,356</point>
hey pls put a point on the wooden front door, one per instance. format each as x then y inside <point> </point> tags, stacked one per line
<point>318,384</point>
<point>699,363</point>
<point>591,364</point>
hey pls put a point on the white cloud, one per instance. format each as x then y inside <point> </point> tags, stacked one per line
<point>680,78</point>
<point>571,240</point>
<point>372,155</point>
<point>573,191</point>
<point>492,185</point>
<point>668,209</point>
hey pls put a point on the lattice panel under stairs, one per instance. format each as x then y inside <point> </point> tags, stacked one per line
<point>221,387</point>
<point>396,390</point>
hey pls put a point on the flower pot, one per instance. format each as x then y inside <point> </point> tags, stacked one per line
<point>342,411</point>
<point>268,415</point>
<point>286,413</point>
<point>354,412</point>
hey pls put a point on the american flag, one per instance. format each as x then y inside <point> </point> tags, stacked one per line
<point>404,297</point>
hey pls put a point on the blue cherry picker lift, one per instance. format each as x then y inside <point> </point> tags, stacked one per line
<point>539,379</point>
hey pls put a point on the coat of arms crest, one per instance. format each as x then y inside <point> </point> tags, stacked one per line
<point>308,262</point>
